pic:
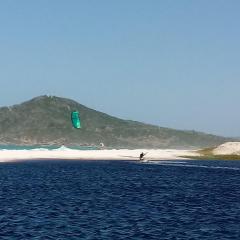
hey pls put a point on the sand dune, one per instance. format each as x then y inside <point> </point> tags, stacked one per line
<point>228,148</point>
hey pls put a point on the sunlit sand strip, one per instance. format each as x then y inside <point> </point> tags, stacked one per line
<point>122,154</point>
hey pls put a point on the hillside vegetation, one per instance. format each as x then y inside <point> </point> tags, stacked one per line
<point>47,120</point>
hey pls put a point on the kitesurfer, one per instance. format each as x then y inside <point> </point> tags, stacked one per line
<point>141,156</point>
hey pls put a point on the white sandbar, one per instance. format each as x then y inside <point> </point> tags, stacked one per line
<point>122,154</point>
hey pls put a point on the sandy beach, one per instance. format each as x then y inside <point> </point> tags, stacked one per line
<point>66,153</point>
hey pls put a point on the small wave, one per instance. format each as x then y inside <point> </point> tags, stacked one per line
<point>25,149</point>
<point>63,148</point>
<point>37,149</point>
<point>168,161</point>
<point>193,166</point>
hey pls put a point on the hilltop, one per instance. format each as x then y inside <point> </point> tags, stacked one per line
<point>47,120</point>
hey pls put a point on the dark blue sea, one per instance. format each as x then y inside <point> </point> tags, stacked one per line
<point>120,200</point>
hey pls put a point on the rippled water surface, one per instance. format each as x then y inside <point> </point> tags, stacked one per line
<point>120,200</point>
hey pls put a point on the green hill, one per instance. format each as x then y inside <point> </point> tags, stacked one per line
<point>47,120</point>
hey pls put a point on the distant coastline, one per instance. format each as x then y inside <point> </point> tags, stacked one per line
<point>20,125</point>
<point>8,153</point>
<point>45,146</point>
<point>74,154</point>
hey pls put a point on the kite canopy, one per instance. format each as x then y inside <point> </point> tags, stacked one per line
<point>75,119</point>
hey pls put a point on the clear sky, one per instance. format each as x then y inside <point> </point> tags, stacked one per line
<point>170,63</point>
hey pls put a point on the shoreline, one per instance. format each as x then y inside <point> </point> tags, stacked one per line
<point>70,154</point>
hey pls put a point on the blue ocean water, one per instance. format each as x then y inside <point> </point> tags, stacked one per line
<point>120,200</point>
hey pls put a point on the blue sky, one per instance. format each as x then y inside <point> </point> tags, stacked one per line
<point>169,63</point>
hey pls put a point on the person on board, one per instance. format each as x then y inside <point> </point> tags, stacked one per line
<point>141,156</point>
